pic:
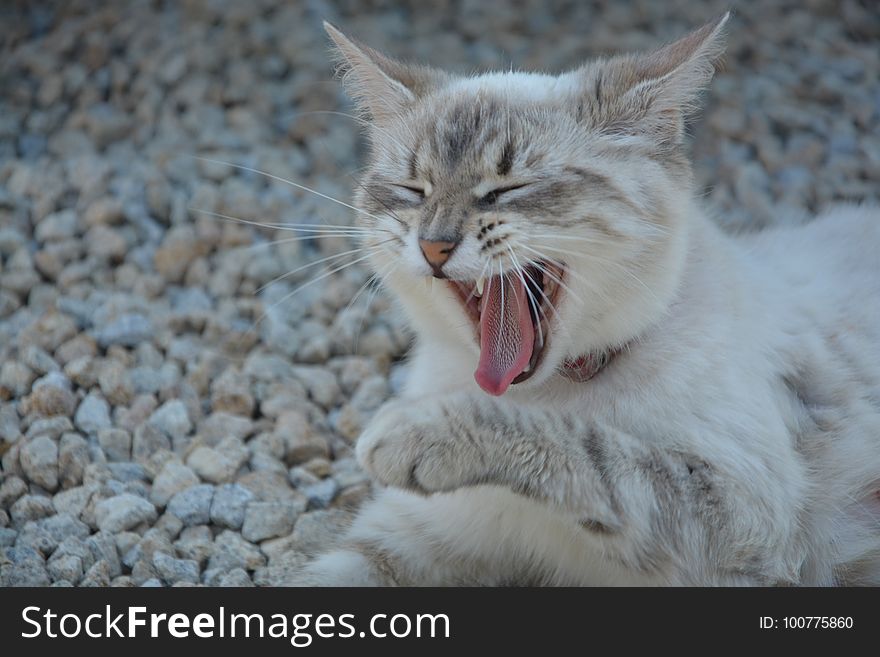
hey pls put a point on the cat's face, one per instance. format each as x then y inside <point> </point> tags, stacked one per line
<point>528,219</point>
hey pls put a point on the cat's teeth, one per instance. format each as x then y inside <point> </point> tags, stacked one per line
<point>480,283</point>
<point>527,368</point>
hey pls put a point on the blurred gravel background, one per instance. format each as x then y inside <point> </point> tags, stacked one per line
<point>152,430</point>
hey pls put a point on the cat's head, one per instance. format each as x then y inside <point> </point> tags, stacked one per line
<point>552,208</point>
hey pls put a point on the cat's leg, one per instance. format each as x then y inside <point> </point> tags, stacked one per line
<point>482,535</point>
<point>667,514</point>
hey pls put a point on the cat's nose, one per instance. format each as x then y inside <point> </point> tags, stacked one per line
<point>437,253</point>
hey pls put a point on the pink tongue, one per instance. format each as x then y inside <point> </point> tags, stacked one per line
<point>507,336</point>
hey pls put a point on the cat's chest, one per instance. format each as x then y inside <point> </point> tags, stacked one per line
<point>673,396</point>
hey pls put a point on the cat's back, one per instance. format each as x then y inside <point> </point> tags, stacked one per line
<point>827,269</point>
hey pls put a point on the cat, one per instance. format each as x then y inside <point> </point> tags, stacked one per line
<point>605,388</point>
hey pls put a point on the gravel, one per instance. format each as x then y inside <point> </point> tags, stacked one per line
<point>170,413</point>
<point>172,479</point>
<point>193,505</point>
<point>229,505</point>
<point>123,512</point>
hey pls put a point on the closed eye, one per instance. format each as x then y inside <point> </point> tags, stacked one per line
<point>494,195</point>
<point>418,191</point>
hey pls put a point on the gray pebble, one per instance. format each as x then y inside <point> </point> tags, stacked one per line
<point>10,430</point>
<point>57,226</point>
<point>30,507</point>
<point>73,457</point>
<point>39,460</point>
<point>264,520</point>
<point>211,465</point>
<point>16,377</point>
<point>123,512</point>
<point>302,441</point>
<point>229,505</point>
<point>193,505</point>
<point>172,419</point>
<point>195,543</point>
<point>232,551</point>
<point>11,489</point>
<point>51,427</point>
<point>74,500</point>
<point>152,542</point>
<point>173,570</point>
<point>46,534</point>
<point>172,479</point>
<point>93,414</point>
<point>42,363</point>
<point>237,577</point>
<point>69,568</point>
<point>23,567</point>
<point>7,536</point>
<point>103,548</point>
<point>128,472</point>
<point>218,426</point>
<point>98,575</point>
<point>321,494</point>
<point>127,330</point>
<point>116,443</point>
<point>170,524</point>
<point>147,441</point>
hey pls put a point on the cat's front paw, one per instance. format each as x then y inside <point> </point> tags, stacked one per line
<point>413,445</point>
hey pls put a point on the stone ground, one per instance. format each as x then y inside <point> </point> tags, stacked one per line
<point>168,414</point>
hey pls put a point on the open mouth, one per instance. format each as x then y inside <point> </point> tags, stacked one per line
<point>511,316</point>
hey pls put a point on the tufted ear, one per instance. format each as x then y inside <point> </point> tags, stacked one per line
<point>650,94</point>
<point>382,87</point>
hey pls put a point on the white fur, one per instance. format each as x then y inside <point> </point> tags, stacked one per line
<point>759,354</point>
<point>705,379</point>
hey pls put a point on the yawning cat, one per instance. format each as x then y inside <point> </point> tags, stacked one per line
<point>605,387</point>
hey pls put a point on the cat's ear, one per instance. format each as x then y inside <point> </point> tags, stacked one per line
<point>381,86</point>
<point>650,94</point>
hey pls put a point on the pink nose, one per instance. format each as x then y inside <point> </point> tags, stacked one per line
<point>437,253</point>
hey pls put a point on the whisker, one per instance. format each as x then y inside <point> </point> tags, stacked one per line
<point>311,282</point>
<point>535,306</point>
<point>362,122</point>
<point>557,263</point>
<point>559,321</point>
<point>288,182</point>
<point>357,182</point>
<point>290,227</point>
<point>309,265</point>
<point>474,291</point>
<point>388,209</point>
<point>385,273</point>
<point>364,286</point>
<point>513,264</point>
<point>501,283</point>
<point>617,265</point>
<point>577,238</point>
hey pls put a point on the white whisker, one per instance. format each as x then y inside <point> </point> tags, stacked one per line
<point>363,122</point>
<point>387,271</point>
<point>501,283</point>
<point>290,227</point>
<point>558,264</point>
<point>309,265</point>
<point>535,306</point>
<point>547,299</point>
<point>311,282</point>
<point>289,182</point>
<point>604,261</point>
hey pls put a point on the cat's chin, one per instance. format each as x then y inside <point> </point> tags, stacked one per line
<point>513,332</point>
